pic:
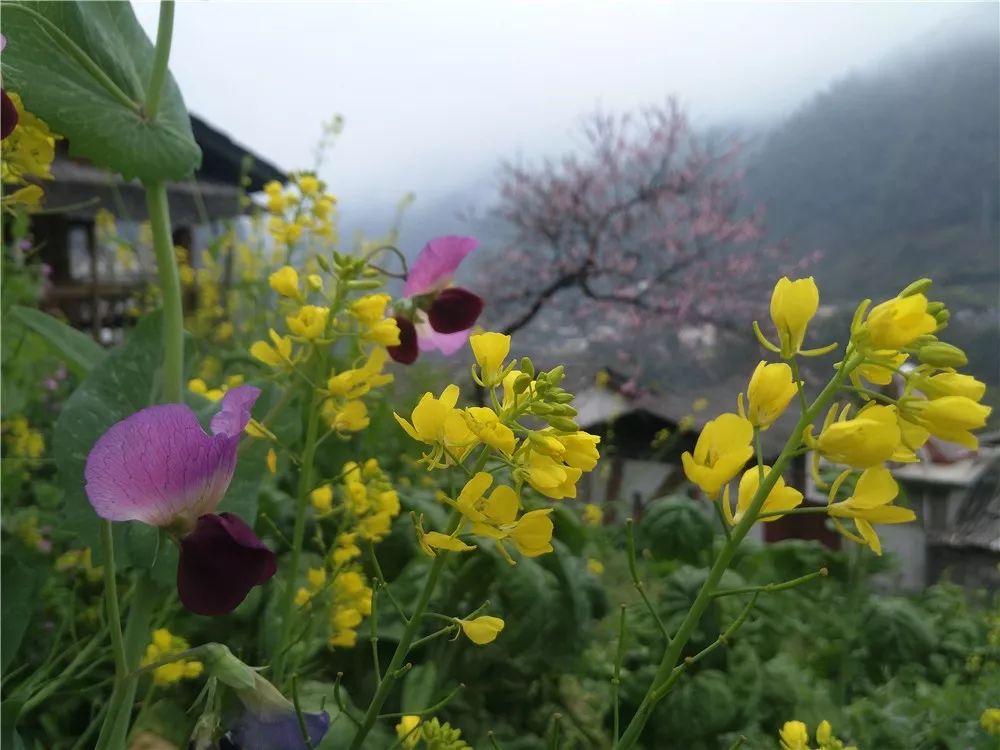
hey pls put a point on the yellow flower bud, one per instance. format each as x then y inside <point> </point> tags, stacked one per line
<point>197,385</point>
<point>285,281</point>
<point>272,461</point>
<point>794,736</point>
<point>949,384</point>
<point>315,282</point>
<point>770,391</point>
<point>824,732</point>
<point>322,498</point>
<point>793,305</point>
<point>482,630</point>
<point>490,350</point>
<point>596,567</point>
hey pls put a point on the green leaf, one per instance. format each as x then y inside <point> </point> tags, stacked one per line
<point>20,583</point>
<point>123,383</point>
<point>78,348</point>
<point>676,528</point>
<point>67,60</point>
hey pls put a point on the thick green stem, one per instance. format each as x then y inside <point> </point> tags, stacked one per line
<point>402,648</point>
<point>298,536</point>
<point>670,659</point>
<point>158,76</point>
<point>170,285</point>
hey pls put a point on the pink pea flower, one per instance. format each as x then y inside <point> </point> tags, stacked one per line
<point>159,467</point>
<point>444,314</point>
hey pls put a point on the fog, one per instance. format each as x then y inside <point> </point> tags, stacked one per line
<point>434,94</point>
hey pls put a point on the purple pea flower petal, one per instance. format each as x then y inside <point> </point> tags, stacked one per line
<point>220,561</point>
<point>271,731</point>
<point>407,350</point>
<point>436,264</point>
<point>454,309</point>
<point>8,115</point>
<point>447,343</point>
<point>159,466</point>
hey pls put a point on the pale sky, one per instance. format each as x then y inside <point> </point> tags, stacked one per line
<point>435,93</point>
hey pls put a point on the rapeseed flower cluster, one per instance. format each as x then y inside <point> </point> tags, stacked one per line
<point>894,340</point>
<point>549,455</point>
<point>165,644</point>
<point>794,735</point>
<point>22,440</point>
<point>413,732</point>
<point>299,209</point>
<point>26,155</point>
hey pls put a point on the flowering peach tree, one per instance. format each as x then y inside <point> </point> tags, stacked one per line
<point>250,497</point>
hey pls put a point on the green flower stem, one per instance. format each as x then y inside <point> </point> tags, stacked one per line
<point>701,602</point>
<point>402,648</point>
<point>170,284</point>
<point>637,584</point>
<point>616,679</point>
<point>768,588</point>
<point>114,730</point>
<point>117,640</point>
<point>298,535</point>
<point>164,35</point>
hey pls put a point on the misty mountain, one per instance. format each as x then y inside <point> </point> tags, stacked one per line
<point>893,173</point>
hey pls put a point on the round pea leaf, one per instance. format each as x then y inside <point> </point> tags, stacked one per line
<point>45,63</point>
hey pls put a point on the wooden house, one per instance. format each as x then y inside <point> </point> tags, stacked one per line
<point>87,284</point>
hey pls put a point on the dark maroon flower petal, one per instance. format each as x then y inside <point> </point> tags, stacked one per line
<point>454,309</point>
<point>221,560</point>
<point>8,115</point>
<point>407,351</point>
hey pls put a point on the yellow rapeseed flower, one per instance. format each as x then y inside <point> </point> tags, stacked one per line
<point>370,309</point>
<point>308,184</point>
<point>551,478</point>
<point>436,422</point>
<point>482,630</point>
<point>723,448</point>
<point>595,567</point>
<point>487,427</point>
<point>950,418</point>
<point>897,322</point>
<point>870,503</point>
<point>309,322</point>
<point>285,281</point>
<point>592,515</point>
<point>406,731</point>
<point>781,497</point>
<point>864,441</point>
<point>278,355</point>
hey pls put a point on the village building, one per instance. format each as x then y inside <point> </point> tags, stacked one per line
<point>88,285</point>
